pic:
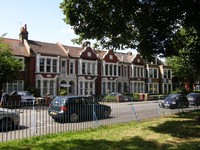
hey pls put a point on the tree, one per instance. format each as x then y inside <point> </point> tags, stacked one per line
<point>182,73</point>
<point>149,26</point>
<point>9,66</point>
<point>185,66</point>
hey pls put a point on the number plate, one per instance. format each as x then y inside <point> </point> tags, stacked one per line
<point>167,105</point>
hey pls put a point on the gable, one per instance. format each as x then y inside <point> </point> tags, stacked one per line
<point>88,54</point>
<point>138,60</point>
<point>110,57</point>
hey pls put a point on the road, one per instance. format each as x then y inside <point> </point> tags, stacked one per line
<point>35,121</point>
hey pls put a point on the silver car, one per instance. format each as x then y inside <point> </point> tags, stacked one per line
<point>9,119</point>
<point>194,98</point>
<point>26,97</point>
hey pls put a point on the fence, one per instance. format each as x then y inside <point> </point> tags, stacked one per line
<point>36,121</point>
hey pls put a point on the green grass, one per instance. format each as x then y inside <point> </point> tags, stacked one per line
<point>180,131</point>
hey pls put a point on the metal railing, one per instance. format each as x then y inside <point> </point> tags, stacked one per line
<point>36,121</point>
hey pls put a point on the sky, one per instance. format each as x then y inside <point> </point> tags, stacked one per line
<point>44,21</point>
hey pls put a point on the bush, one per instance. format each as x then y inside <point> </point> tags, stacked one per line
<point>34,91</point>
<point>63,92</point>
<point>136,96</point>
<point>110,98</point>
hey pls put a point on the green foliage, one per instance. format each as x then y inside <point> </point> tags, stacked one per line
<point>185,67</point>
<point>9,66</point>
<point>150,27</point>
<point>34,91</point>
<point>197,91</point>
<point>63,92</point>
<point>110,98</point>
<point>136,96</point>
<point>182,90</point>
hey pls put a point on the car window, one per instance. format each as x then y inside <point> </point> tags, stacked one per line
<point>75,101</point>
<point>26,93</point>
<point>191,95</point>
<point>88,100</point>
<point>181,96</point>
<point>22,93</point>
<point>59,101</point>
<point>172,96</point>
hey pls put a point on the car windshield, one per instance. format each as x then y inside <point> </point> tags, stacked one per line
<point>58,101</point>
<point>172,96</point>
<point>191,95</point>
<point>24,93</point>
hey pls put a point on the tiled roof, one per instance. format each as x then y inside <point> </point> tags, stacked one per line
<point>57,49</point>
<point>18,48</point>
<point>46,48</point>
<point>125,57</point>
<point>73,51</point>
<point>101,53</point>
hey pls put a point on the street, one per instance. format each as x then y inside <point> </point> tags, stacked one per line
<point>36,121</point>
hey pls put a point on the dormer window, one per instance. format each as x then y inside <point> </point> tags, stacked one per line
<point>111,57</point>
<point>89,54</point>
<point>138,60</point>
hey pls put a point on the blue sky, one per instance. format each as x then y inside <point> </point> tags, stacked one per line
<point>44,21</point>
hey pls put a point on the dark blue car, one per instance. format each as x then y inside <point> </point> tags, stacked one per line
<point>77,108</point>
<point>175,101</point>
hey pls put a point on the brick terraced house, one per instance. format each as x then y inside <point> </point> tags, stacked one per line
<point>82,70</point>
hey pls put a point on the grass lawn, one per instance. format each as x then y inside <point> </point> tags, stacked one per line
<point>181,131</point>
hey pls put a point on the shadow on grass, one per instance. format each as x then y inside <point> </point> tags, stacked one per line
<point>187,126</point>
<point>135,143</point>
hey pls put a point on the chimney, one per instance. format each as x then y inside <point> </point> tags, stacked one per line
<point>23,33</point>
<point>86,44</point>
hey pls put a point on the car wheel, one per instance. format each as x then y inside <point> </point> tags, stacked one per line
<point>178,105</point>
<point>106,114</point>
<point>74,118</point>
<point>6,124</point>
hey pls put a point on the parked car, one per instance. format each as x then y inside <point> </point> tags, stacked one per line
<point>194,98</point>
<point>122,97</point>
<point>175,101</point>
<point>26,97</point>
<point>9,119</point>
<point>77,108</point>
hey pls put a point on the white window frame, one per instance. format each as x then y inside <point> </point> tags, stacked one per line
<point>17,85</point>
<point>90,67</point>
<point>166,74</point>
<point>72,68</point>
<point>63,68</point>
<point>153,86</point>
<point>51,65</point>
<point>110,69</point>
<point>153,73</point>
